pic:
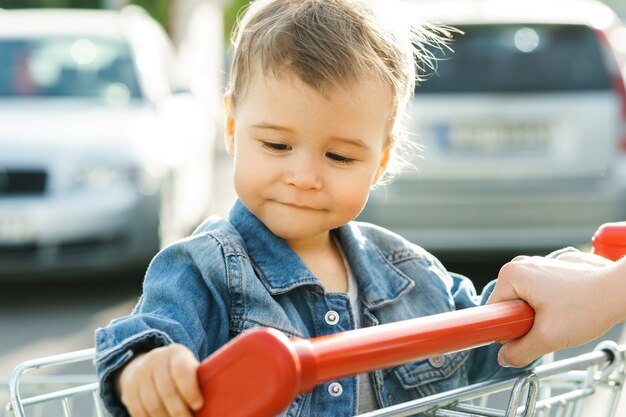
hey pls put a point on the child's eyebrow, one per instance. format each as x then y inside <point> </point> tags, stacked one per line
<point>265,125</point>
<point>355,142</point>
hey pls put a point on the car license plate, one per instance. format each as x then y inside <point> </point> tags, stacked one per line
<point>497,138</point>
<point>15,231</point>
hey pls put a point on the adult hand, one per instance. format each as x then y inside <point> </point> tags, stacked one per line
<point>573,297</point>
<point>161,383</point>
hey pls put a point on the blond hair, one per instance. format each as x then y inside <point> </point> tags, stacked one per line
<point>329,44</point>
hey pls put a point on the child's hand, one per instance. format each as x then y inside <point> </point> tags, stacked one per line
<point>161,383</point>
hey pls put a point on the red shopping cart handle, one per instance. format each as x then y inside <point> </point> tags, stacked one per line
<point>260,372</point>
<point>610,240</point>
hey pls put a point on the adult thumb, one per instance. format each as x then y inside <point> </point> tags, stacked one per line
<point>517,353</point>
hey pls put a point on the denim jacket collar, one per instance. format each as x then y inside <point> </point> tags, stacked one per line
<point>281,270</point>
<point>380,283</point>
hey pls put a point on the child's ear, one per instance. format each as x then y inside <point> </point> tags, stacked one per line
<point>229,137</point>
<point>382,165</point>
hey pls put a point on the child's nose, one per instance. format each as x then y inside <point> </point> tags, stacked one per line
<point>304,173</point>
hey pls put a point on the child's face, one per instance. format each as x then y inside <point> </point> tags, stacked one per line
<point>304,164</point>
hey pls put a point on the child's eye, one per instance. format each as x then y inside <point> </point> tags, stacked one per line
<point>339,158</point>
<point>273,146</point>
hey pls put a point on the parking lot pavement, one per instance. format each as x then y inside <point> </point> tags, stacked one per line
<point>43,319</point>
<point>35,324</point>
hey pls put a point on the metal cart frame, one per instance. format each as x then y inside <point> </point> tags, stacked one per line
<point>550,390</point>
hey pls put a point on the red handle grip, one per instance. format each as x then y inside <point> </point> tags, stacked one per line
<point>610,240</point>
<point>260,372</point>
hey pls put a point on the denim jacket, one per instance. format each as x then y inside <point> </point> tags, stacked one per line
<point>230,276</point>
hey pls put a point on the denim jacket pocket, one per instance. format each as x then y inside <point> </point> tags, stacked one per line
<point>436,374</point>
<point>240,326</point>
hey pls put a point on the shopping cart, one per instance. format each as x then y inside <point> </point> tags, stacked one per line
<point>554,389</point>
<point>56,394</point>
<point>287,367</point>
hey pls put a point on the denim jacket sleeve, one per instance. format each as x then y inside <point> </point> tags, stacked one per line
<point>168,311</point>
<point>483,364</point>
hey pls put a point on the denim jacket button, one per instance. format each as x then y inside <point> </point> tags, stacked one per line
<point>437,361</point>
<point>332,317</point>
<point>335,389</point>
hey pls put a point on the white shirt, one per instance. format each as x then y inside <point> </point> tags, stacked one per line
<point>365,391</point>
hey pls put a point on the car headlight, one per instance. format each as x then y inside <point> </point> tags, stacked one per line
<point>100,177</point>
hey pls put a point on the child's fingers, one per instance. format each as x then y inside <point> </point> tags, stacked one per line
<point>169,394</point>
<point>151,401</point>
<point>133,404</point>
<point>183,370</point>
<point>132,401</point>
<point>136,410</point>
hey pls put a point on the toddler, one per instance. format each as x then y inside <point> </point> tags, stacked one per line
<point>313,114</point>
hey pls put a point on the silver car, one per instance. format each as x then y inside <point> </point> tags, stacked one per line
<point>523,129</point>
<point>100,162</point>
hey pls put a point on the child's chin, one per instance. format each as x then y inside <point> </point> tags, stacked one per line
<point>293,231</point>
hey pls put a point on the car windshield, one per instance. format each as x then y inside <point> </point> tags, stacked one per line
<point>520,58</point>
<point>67,67</point>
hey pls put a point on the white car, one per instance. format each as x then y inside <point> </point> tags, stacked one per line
<point>101,162</point>
<point>523,129</point>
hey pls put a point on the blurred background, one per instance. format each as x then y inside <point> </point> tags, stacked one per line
<point>111,147</point>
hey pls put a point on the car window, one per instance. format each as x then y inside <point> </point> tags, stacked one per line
<point>520,58</point>
<point>67,67</point>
